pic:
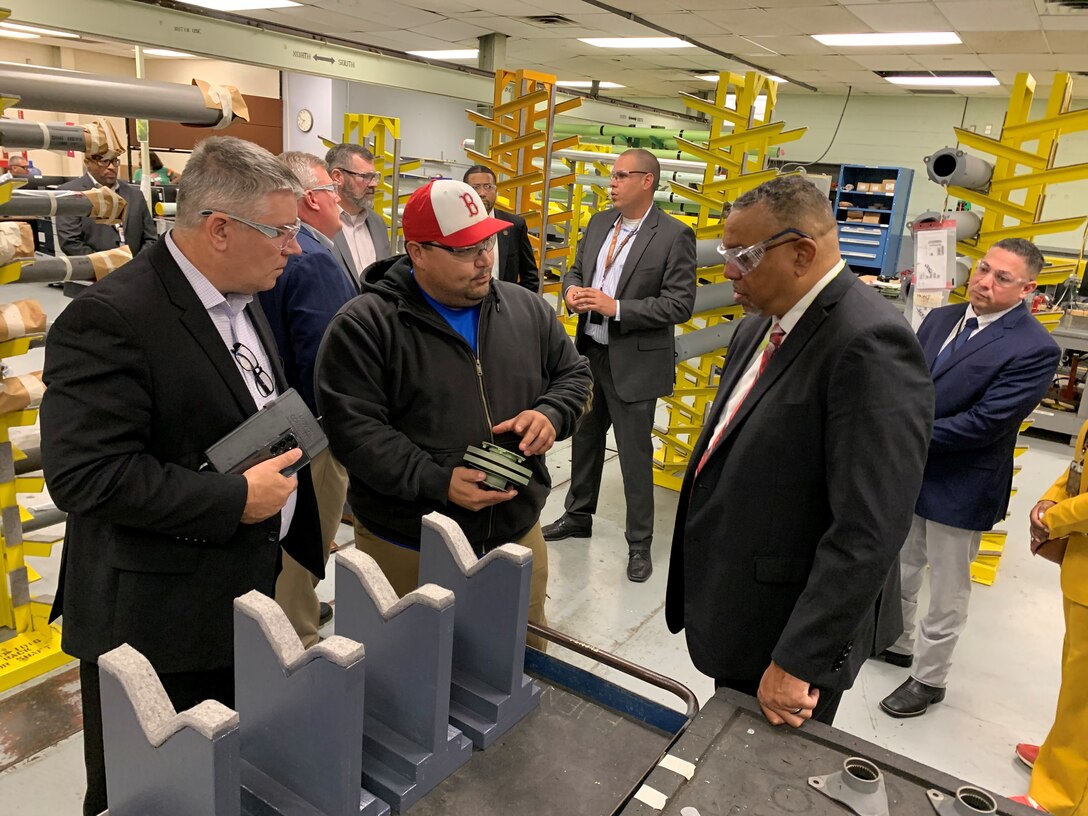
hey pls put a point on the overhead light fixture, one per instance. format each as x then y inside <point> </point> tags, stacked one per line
<point>166,52</point>
<point>18,35</point>
<point>890,39</point>
<point>586,83</point>
<point>952,80</point>
<point>636,42</point>
<point>241,5</point>
<point>714,78</point>
<point>41,32</point>
<point>452,54</point>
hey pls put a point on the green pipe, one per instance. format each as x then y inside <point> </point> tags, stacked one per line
<point>574,129</point>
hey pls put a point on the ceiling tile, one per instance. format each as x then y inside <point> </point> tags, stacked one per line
<point>732,44</point>
<point>998,42</point>
<point>404,40</point>
<point>832,62</point>
<point>1066,42</point>
<point>990,15</point>
<point>790,45</point>
<point>687,23</point>
<point>812,19</point>
<point>900,16</point>
<point>1065,22</point>
<point>1022,62</point>
<point>399,15</point>
<point>749,21</point>
<point>612,25</point>
<point>887,62</point>
<point>950,62</point>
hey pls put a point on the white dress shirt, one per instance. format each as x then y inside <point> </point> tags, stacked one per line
<point>607,278</point>
<point>359,240</point>
<point>228,314</point>
<point>788,322</point>
<point>983,321</point>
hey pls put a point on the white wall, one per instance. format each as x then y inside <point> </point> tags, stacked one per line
<point>325,99</point>
<point>431,127</point>
<point>901,131</point>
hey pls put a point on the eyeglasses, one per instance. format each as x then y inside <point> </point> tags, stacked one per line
<point>115,162</point>
<point>248,362</point>
<point>745,259</point>
<point>366,177</point>
<point>285,233</point>
<point>1001,278</point>
<point>622,175</point>
<point>483,187</point>
<point>332,187</point>
<point>466,253</point>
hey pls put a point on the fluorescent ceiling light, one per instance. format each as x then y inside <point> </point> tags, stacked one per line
<point>636,42</point>
<point>241,5</point>
<point>42,32</point>
<point>890,39</point>
<point>166,52</point>
<point>454,54</point>
<point>714,78</point>
<point>17,35</point>
<point>944,81</point>
<point>586,83</point>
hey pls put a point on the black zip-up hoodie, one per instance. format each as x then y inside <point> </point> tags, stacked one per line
<point>402,395</point>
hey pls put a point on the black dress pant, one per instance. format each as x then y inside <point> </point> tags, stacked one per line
<point>633,423</point>
<point>826,708</point>
<point>185,690</point>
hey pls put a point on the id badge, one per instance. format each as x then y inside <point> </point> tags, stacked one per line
<point>1072,483</point>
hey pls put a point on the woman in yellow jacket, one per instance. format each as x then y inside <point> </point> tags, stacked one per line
<point>1059,531</point>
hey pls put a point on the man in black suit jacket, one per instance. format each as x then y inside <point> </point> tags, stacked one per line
<point>802,485</point>
<point>80,235</point>
<point>144,371</point>
<point>632,281</point>
<point>514,259</point>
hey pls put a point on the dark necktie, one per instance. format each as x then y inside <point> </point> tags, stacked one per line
<point>957,343</point>
<point>773,342</point>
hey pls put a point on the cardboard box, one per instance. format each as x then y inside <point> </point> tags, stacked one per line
<point>854,215</point>
<point>863,186</point>
<point>870,218</point>
<point>889,185</point>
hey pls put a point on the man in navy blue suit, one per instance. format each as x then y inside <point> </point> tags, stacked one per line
<point>310,291</point>
<point>991,362</point>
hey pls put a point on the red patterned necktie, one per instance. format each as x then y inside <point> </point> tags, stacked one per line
<point>773,342</point>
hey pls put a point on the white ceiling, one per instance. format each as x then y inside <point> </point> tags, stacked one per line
<point>1004,36</point>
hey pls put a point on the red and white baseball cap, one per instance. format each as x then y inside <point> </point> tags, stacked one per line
<point>448,212</point>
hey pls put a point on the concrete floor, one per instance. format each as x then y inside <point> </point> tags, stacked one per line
<point>1003,687</point>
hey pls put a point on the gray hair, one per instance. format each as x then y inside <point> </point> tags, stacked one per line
<point>303,166</point>
<point>1025,249</point>
<point>793,201</point>
<point>339,156</point>
<point>230,175</point>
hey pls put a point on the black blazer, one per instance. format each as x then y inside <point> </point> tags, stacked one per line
<point>80,235</point>
<point>786,539</point>
<point>517,263</point>
<point>656,291</point>
<point>139,385</point>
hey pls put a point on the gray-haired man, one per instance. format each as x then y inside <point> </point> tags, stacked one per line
<point>145,370</point>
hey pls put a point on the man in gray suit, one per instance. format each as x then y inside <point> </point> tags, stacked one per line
<point>632,281</point>
<point>80,235</point>
<point>364,238</point>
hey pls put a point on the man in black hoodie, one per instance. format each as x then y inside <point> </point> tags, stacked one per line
<point>436,356</point>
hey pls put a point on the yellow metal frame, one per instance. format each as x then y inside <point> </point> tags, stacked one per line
<point>523,111</point>
<point>741,156</point>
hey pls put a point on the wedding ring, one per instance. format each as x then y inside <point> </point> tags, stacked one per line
<point>798,710</point>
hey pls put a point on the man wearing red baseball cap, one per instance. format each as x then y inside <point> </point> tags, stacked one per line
<point>436,356</point>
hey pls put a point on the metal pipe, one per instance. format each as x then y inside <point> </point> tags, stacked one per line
<point>706,252</point>
<point>31,463</point>
<point>54,270</point>
<point>704,341</point>
<point>55,89</point>
<point>45,203</point>
<point>23,135</point>
<point>968,222</point>
<point>578,129</point>
<point>949,166</point>
<point>713,296</point>
<point>46,517</point>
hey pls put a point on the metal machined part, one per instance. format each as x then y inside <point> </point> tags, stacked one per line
<point>969,801</point>
<point>859,786</point>
<point>501,466</point>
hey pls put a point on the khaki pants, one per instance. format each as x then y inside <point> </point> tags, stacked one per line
<point>295,585</point>
<point>401,567</point>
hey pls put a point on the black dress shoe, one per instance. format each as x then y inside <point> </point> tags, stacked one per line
<point>911,699</point>
<point>639,566</point>
<point>565,527</point>
<point>324,613</point>
<point>903,661</point>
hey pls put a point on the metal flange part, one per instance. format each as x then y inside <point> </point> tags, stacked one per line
<point>969,801</point>
<point>859,786</point>
<point>501,466</point>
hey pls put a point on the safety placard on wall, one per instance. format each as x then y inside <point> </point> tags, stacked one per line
<point>934,267</point>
